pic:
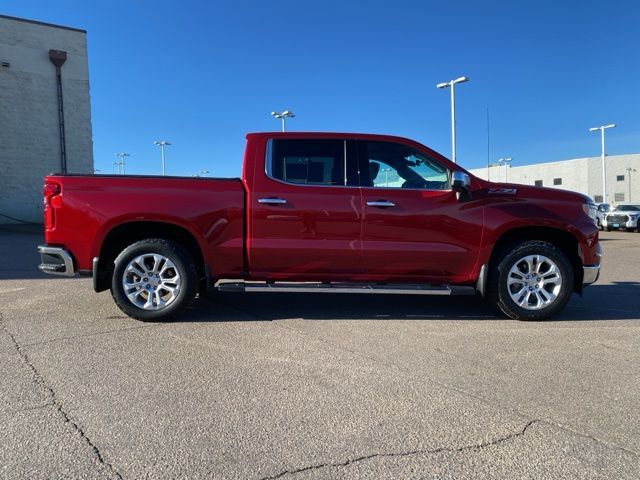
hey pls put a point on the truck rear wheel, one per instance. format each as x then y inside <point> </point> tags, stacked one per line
<point>533,280</point>
<point>154,279</point>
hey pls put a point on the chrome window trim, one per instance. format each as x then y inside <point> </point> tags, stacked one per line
<point>268,169</point>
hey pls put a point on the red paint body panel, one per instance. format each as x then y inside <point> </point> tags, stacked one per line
<point>89,207</point>
<point>322,233</point>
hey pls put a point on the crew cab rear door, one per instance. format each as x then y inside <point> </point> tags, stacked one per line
<point>414,227</point>
<point>305,211</point>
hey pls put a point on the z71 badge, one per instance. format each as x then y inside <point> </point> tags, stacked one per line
<point>504,191</point>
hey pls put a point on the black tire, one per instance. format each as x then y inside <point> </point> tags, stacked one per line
<point>184,265</point>
<point>499,293</point>
<point>608,229</point>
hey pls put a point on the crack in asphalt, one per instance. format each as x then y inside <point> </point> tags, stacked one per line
<point>409,453</point>
<point>484,400</point>
<point>55,402</point>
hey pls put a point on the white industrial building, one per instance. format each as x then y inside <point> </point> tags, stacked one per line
<point>45,114</point>
<point>582,175</point>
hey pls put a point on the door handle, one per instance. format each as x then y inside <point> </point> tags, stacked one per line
<point>381,204</point>
<point>272,201</point>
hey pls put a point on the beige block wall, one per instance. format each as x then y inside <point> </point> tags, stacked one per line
<point>29,132</point>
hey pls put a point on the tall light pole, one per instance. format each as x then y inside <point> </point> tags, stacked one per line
<point>283,116</point>
<point>386,176</point>
<point>602,128</point>
<point>121,163</point>
<point>162,144</point>
<point>629,170</point>
<point>506,161</point>
<point>451,84</point>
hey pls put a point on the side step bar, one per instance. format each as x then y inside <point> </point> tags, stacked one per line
<point>336,287</point>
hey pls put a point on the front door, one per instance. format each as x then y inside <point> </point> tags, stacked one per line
<point>306,211</point>
<point>414,227</point>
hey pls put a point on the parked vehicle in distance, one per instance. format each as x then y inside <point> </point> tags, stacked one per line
<point>622,216</point>
<point>602,210</point>
<point>322,212</point>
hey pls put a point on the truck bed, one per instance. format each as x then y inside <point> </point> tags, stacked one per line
<point>90,207</point>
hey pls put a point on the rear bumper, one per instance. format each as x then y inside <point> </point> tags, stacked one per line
<point>56,261</point>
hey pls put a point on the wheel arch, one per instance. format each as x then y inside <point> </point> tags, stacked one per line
<point>124,234</point>
<point>562,239</point>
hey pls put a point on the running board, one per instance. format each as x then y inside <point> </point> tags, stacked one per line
<point>335,287</point>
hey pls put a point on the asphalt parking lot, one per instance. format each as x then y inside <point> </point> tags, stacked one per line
<point>266,386</point>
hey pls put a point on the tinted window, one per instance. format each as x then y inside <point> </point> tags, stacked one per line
<point>309,162</point>
<point>391,165</point>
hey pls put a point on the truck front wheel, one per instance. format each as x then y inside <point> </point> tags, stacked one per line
<point>154,279</point>
<point>533,280</point>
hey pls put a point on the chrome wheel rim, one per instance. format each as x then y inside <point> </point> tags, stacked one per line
<point>151,281</point>
<point>534,282</point>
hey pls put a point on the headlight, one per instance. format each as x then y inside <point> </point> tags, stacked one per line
<point>590,210</point>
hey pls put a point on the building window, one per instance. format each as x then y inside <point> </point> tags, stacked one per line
<point>619,197</point>
<point>557,181</point>
<point>597,198</point>
<point>538,183</point>
<point>620,178</point>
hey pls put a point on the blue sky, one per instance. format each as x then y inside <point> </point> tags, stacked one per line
<point>202,74</point>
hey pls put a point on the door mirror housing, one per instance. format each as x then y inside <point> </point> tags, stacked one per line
<point>461,183</point>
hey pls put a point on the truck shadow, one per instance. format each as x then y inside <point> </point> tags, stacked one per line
<point>616,301</point>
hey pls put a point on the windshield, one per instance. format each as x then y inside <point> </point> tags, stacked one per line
<point>627,208</point>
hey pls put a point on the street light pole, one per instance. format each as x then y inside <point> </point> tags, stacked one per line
<point>386,176</point>
<point>162,144</point>
<point>283,116</point>
<point>451,84</point>
<point>506,162</point>
<point>602,128</point>
<point>121,162</point>
<point>629,170</point>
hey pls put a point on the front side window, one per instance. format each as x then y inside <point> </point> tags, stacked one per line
<point>391,165</point>
<point>308,162</point>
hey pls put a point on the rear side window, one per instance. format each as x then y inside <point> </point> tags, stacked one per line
<point>308,162</point>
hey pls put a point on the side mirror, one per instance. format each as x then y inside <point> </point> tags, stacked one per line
<point>461,183</point>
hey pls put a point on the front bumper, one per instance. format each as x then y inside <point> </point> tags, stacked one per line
<point>56,261</point>
<point>591,274</point>
<point>629,225</point>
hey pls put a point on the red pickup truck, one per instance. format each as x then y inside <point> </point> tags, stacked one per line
<point>322,212</point>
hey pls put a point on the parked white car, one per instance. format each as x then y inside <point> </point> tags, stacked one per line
<point>623,216</point>
<point>601,211</point>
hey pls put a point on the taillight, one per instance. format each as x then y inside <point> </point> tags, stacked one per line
<point>50,190</point>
